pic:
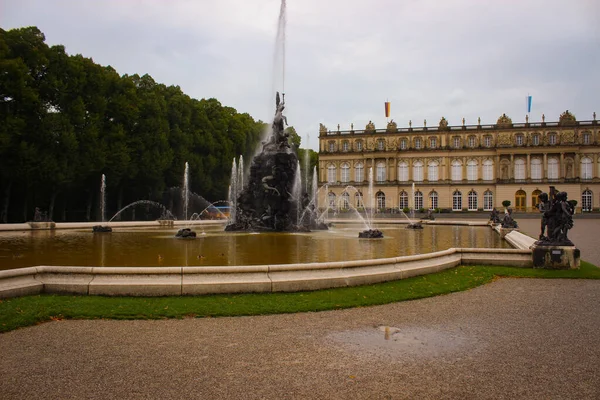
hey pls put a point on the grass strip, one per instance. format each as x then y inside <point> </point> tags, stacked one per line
<point>30,310</point>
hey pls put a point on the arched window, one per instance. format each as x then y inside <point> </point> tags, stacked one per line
<point>457,201</point>
<point>380,201</point>
<point>345,170</point>
<point>359,172</point>
<point>418,171</point>
<point>456,170</point>
<point>520,203</point>
<point>345,145</point>
<point>586,168</point>
<point>359,200</point>
<point>456,142</point>
<point>403,144</point>
<point>345,201</point>
<point>380,144</point>
<point>403,203</point>
<point>359,145</point>
<point>535,198</point>
<point>331,174</point>
<point>331,147</point>
<point>519,139</point>
<point>472,141</point>
<point>418,143</point>
<point>418,200</point>
<point>552,138</point>
<point>487,141</point>
<point>535,139</point>
<point>472,170</point>
<point>586,138</point>
<point>472,200</point>
<point>488,200</point>
<point>519,169</point>
<point>553,168</point>
<point>488,170</point>
<point>433,200</point>
<point>536,169</point>
<point>586,200</point>
<point>331,199</point>
<point>432,172</point>
<point>381,172</point>
<point>433,142</point>
<point>403,172</point>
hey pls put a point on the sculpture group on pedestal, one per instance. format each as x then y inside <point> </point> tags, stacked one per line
<point>557,218</point>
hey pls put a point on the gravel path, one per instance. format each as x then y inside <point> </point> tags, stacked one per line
<point>514,338</point>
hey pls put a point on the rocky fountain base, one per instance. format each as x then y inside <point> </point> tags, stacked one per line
<point>101,229</point>
<point>185,233</point>
<point>370,234</point>
<point>414,225</point>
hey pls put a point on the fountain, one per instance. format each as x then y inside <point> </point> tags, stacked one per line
<point>102,228</point>
<point>370,233</point>
<point>165,212</point>
<point>185,191</point>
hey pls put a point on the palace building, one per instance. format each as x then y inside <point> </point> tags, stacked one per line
<point>462,168</point>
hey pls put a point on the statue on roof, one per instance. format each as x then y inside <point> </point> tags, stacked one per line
<point>370,128</point>
<point>392,126</point>
<point>443,124</point>
<point>504,120</point>
<point>322,129</point>
<point>567,118</point>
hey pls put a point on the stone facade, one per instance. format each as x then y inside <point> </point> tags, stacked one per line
<point>465,167</point>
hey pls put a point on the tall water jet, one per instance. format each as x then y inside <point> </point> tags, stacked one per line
<point>370,233</point>
<point>240,179</point>
<point>306,165</point>
<point>233,191</point>
<point>297,192</point>
<point>103,198</point>
<point>185,191</point>
<point>315,187</point>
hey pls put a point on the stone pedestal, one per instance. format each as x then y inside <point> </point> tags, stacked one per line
<point>555,257</point>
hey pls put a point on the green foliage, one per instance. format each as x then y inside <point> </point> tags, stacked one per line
<point>506,203</point>
<point>65,121</point>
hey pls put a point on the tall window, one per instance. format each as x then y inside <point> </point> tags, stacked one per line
<point>331,147</point>
<point>456,142</point>
<point>345,173</point>
<point>403,144</point>
<point>488,170</point>
<point>456,170</point>
<point>331,174</point>
<point>381,145</point>
<point>418,143</point>
<point>586,138</point>
<point>345,145</point>
<point>403,172</point>
<point>359,146</point>
<point>536,169</point>
<point>472,200</point>
<point>433,200</point>
<point>432,171</point>
<point>586,168</point>
<point>403,203</point>
<point>418,171</point>
<point>552,138</point>
<point>472,170</point>
<point>418,200</point>
<point>472,141</point>
<point>535,140</point>
<point>331,198</point>
<point>519,140</point>
<point>359,200</point>
<point>345,201</point>
<point>519,169</point>
<point>380,200</point>
<point>553,168</point>
<point>457,201</point>
<point>586,200</point>
<point>359,173</point>
<point>488,200</point>
<point>487,141</point>
<point>433,143</point>
<point>380,172</point>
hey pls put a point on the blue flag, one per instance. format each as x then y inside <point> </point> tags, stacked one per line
<point>528,104</point>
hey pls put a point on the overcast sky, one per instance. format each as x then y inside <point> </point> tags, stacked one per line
<point>345,58</point>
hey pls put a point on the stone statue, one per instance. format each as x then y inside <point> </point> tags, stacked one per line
<point>594,115</point>
<point>543,118</point>
<point>543,206</point>
<point>425,123</point>
<point>527,118</point>
<point>478,120</point>
<point>338,127</point>
<point>557,218</point>
<point>495,216</point>
<point>463,121</point>
<point>352,126</point>
<point>508,221</point>
<point>410,123</point>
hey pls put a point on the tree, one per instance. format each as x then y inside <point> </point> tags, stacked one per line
<point>293,138</point>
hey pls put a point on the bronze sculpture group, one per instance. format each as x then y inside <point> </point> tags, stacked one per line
<point>557,218</point>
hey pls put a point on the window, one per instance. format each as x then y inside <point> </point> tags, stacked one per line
<point>359,200</point>
<point>418,171</point>
<point>586,200</point>
<point>418,200</point>
<point>331,174</point>
<point>519,169</point>
<point>472,170</point>
<point>331,147</point>
<point>380,172</point>
<point>345,169</point>
<point>456,170</point>
<point>432,171</point>
<point>345,201</point>
<point>331,198</point>
<point>535,140</point>
<point>586,168</point>
<point>457,201</point>
<point>418,143</point>
<point>433,200</point>
<point>380,201</point>
<point>403,203</point>
<point>456,142</point>
<point>552,138</point>
<point>403,172</point>
<point>359,172</point>
<point>472,141</point>
<point>472,200</point>
<point>487,141</point>
<point>359,146</point>
<point>433,143</point>
<point>345,145</point>
<point>520,197</point>
<point>488,170</point>
<point>403,144</point>
<point>536,169</point>
<point>381,145</point>
<point>553,168</point>
<point>535,198</point>
<point>488,201</point>
<point>586,138</point>
<point>519,140</point>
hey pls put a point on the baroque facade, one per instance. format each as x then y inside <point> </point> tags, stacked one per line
<point>461,168</point>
